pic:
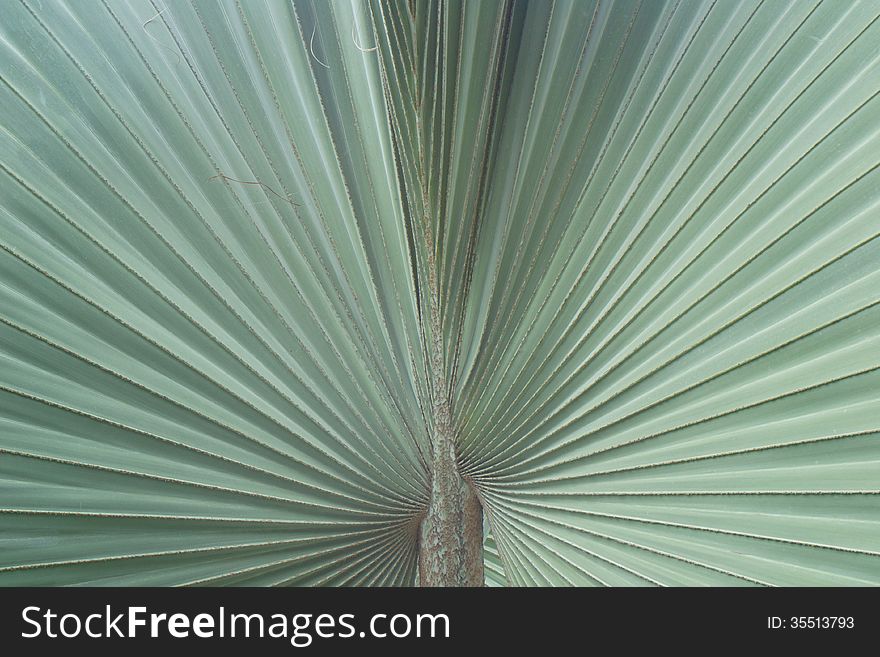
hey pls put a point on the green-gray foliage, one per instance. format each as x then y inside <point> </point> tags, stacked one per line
<point>649,231</point>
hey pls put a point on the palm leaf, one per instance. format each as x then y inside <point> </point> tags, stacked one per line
<point>247,248</point>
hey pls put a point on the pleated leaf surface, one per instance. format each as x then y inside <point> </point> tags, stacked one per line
<point>649,231</point>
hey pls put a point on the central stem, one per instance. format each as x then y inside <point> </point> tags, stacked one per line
<point>451,533</point>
